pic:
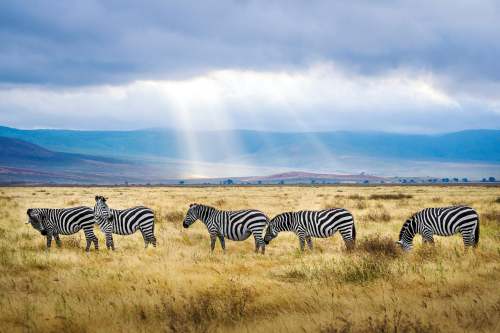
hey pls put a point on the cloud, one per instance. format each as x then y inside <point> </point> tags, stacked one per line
<point>399,66</point>
<point>320,97</point>
<point>110,42</point>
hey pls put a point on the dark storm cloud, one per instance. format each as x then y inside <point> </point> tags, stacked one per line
<point>91,42</point>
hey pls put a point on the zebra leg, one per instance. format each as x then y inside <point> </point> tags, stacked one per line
<point>49,241</point>
<point>109,241</point>
<point>213,238</point>
<point>309,242</point>
<point>427,236</point>
<point>90,237</point>
<point>58,240</point>
<point>468,238</point>
<point>428,239</point>
<point>152,240</point>
<point>348,238</point>
<point>222,242</point>
<point>257,246</point>
<point>148,235</point>
<point>301,243</point>
<point>259,243</point>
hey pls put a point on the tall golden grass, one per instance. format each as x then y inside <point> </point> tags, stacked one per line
<point>181,287</point>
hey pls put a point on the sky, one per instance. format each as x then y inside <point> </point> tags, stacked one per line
<point>395,66</point>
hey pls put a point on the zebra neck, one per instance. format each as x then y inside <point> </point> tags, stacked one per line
<point>51,216</point>
<point>206,213</point>
<point>285,224</point>
<point>409,232</point>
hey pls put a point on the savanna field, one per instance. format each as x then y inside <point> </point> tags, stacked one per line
<point>181,287</point>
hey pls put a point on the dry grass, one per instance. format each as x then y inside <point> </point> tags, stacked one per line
<point>181,287</point>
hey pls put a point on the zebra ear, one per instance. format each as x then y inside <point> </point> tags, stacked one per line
<point>191,205</point>
<point>96,197</point>
<point>29,211</point>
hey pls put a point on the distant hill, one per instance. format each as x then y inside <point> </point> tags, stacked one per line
<point>470,145</point>
<point>162,154</point>
<point>21,161</point>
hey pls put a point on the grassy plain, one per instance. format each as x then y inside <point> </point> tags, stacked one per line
<point>181,287</point>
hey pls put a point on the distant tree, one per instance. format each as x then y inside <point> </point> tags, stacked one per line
<point>455,180</point>
<point>465,180</point>
<point>228,182</point>
<point>181,182</point>
<point>126,183</point>
<point>313,181</point>
<point>259,182</point>
<point>484,180</point>
<point>404,181</point>
<point>282,182</point>
<point>445,180</point>
<point>366,181</point>
<point>492,179</point>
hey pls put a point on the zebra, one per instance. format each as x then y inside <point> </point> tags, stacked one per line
<point>124,222</point>
<point>235,225</point>
<point>65,221</point>
<point>307,223</point>
<point>443,221</point>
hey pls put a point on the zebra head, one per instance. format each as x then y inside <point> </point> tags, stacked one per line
<point>406,235</point>
<point>271,231</point>
<point>102,214</point>
<point>191,216</point>
<point>36,218</point>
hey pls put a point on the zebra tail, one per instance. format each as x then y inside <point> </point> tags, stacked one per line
<point>353,231</point>
<point>476,233</point>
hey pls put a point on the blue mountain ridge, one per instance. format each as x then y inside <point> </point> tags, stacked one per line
<point>463,146</point>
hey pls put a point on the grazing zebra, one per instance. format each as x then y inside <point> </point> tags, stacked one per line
<point>444,221</point>
<point>235,225</point>
<point>64,221</point>
<point>124,222</point>
<point>306,224</point>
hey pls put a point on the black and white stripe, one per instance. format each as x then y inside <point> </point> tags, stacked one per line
<point>65,221</point>
<point>321,224</point>
<point>444,221</point>
<point>124,222</point>
<point>234,225</point>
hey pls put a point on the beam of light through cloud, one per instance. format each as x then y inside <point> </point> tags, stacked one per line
<point>318,98</point>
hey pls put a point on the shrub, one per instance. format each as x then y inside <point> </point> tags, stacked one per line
<point>390,196</point>
<point>490,216</point>
<point>346,270</point>
<point>355,197</point>
<point>379,245</point>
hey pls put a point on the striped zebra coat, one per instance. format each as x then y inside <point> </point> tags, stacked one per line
<point>444,221</point>
<point>234,225</point>
<point>124,222</point>
<point>321,224</point>
<point>65,221</point>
